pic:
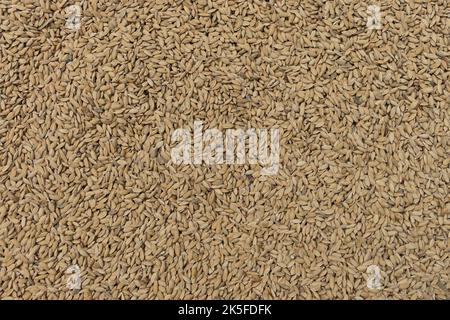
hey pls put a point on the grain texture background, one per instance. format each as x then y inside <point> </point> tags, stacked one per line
<point>86,118</point>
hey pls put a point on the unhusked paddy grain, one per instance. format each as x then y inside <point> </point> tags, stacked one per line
<point>86,178</point>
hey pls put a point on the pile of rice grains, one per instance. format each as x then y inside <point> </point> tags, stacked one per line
<point>87,113</point>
